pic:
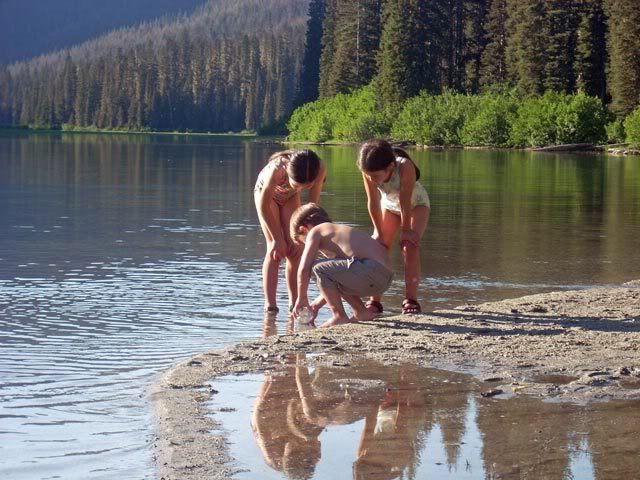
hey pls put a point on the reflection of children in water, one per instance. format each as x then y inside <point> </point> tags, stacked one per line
<point>293,409</point>
<point>391,438</point>
<point>288,442</point>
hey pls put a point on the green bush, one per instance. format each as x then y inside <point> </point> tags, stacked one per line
<point>535,122</point>
<point>311,122</point>
<point>491,124</point>
<point>434,120</point>
<point>492,119</point>
<point>556,118</point>
<point>358,116</point>
<point>345,117</point>
<point>615,131</point>
<point>581,119</point>
<point>632,128</point>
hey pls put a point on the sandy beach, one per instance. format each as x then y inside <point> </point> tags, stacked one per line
<point>592,335</point>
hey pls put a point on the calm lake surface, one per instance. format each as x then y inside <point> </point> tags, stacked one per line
<point>123,254</point>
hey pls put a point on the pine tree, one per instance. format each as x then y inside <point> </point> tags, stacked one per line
<point>453,44</point>
<point>624,60</point>
<point>356,36</point>
<point>310,76</point>
<point>5,96</point>
<point>410,50</point>
<point>560,28</point>
<point>393,82</point>
<point>591,53</point>
<point>493,68</point>
<point>475,14</point>
<point>328,38</point>
<point>525,50</point>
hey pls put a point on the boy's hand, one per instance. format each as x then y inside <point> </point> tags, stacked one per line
<point>300,305</point>
<point>410,237</point>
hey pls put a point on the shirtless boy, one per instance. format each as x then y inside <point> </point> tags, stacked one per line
<point>356,265</point>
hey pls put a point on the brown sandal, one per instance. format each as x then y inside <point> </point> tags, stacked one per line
<point>410,307</point>
<point>375,305</point>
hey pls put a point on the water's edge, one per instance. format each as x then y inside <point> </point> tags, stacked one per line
<point>584,333</point>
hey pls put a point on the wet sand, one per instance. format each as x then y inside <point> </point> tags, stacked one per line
<point>517,346</point>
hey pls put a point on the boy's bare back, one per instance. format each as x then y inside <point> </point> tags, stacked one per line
<point>343,241</point>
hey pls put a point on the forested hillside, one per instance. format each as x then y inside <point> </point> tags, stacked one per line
<point>469,46</point>
<point>228,66</point>
<point>32,27</point>
<point>246,64</point>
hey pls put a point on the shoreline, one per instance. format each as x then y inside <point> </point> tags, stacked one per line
<point>592,335</point>
<point>129,132</point>
<point>613,150</point>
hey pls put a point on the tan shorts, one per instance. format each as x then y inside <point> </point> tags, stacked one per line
<point>351,276</point>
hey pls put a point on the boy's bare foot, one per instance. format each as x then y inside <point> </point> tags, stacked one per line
<point>336,321</point>
<point>364,316</point>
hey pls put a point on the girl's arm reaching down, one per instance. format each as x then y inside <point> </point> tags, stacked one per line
<point>407,184</point>
<point>373,206</point>
<point>311,246</point>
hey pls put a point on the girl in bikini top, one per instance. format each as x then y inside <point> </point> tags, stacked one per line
<point>277,195</point>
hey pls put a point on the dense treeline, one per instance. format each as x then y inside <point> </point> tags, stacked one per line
<point>214,71</point>
<point>211,71</point>
<point>407,46</point>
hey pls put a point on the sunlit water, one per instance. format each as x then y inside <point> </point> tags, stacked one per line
<point>368,421</point>
<point>120,255</point>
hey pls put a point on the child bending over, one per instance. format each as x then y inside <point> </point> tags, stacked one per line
<point>396,201</point>
<point>277,195</point>
<point>356,265</point>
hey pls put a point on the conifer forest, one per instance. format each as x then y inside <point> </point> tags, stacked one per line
<point>246,65</point>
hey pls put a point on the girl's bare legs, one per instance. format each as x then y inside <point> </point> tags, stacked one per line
<point>390,227</point>
<point>270,266</point>
<point>411,253</point>
<point>294,251</point>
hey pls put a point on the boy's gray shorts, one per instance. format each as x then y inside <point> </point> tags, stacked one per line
<point>351,276</point>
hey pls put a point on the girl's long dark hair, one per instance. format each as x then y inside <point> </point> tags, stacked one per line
<point>378,154</point>
<point>303,166</point>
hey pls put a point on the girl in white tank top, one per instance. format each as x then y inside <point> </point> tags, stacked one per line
<point>397,202</point>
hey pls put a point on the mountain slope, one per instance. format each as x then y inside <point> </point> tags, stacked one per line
<point>29,28</point>
<point>227,66</point>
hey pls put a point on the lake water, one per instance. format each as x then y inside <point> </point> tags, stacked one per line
<point>123,254</point>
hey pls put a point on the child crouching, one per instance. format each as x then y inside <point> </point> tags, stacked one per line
<point>356,265</point>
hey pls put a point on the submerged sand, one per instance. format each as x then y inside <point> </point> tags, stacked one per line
<point>592,335</point>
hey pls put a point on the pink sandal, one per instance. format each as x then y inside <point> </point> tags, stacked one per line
<point>410,307</point>
<point>374,304</point>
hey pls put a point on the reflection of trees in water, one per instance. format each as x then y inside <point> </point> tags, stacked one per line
<point>451,403</point>
<point>522,437</point>
<point>613,439</point>
<point>525,438</point>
